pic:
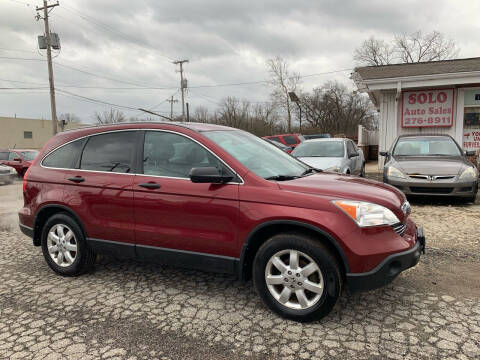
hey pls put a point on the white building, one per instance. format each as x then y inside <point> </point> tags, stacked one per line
<point>438,97</point>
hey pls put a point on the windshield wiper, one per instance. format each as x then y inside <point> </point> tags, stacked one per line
<point>310,171</point>
<point>282,177</point>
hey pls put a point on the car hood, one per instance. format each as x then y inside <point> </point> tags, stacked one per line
<point>321,162</point>
<point>338,186</point>
<point>430,165</point>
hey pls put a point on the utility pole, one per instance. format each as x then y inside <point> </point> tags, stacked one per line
<point>188,113</point>
<point>183,85</point>
<point>49,61</point>
<point>171,101</point>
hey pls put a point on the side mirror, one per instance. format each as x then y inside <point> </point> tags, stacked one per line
<point>470,152</point>
<point>17,159</point>
<point>208,175</point>
<point>384,153</point>
<point>354,154</point>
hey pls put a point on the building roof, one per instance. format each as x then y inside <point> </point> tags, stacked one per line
<point>419,69</point>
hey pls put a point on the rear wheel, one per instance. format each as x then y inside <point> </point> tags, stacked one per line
<point>23,172</point>
<point>64,246</point>
<point>297,277</point>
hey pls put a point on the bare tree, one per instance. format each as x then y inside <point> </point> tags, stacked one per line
<point>110,117</point>
<point>334,109</point>
<point>374,52</point>
<point>406,48</point>
<point>283,80</point>
<point>417,47</point>
<point>201,114</point>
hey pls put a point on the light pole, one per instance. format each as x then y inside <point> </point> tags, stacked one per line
<point>296,100</point>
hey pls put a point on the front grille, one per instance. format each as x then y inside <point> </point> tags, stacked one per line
<point>431,177</point>
<point>4,172</point>
<point>399,228</point>
<point>468,188</point>
<point>431,190</point>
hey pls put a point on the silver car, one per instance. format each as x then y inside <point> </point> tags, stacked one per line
<point>7,174</point>
<point>430,165</point>
<point>334,154</point>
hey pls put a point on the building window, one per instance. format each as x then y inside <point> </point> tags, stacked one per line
<point>27,135</point>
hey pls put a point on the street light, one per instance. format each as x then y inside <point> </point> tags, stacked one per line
<point>294,98</point>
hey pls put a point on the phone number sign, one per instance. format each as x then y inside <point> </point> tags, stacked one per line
<point>427,108</point>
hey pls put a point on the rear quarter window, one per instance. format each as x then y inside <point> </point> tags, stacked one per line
<point>4,155</point>
<point>64,157</point>
<point>290,139</point>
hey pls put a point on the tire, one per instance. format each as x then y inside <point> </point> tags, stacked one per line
<point>76,262</point>
<point>362,171</point>
<point>22,173</point>
<point>319,303</point>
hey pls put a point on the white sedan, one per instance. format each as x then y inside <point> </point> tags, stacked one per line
<point>333,154</point>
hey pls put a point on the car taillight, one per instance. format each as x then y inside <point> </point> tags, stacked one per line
<point>25,179</point>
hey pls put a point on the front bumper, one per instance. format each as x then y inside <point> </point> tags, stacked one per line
<point>435,188</point>
<point>389,268</point>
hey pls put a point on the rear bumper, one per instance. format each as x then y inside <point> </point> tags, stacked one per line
<point>389,268</point>
<point>26,230</point>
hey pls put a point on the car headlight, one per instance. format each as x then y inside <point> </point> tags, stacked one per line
<point>394,172</point>
<point>367,214</point>
<point>469,174</point>
<point>335,168</point>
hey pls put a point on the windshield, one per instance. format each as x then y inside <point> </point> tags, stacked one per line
<point>259,156</point>
<point>426,146</point>
<point>29,155</point>
<point>320,149</point>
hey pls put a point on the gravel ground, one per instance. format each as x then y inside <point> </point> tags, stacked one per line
<point>128,310</point>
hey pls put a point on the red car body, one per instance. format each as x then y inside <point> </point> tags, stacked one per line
<point>217,227</point>
<point>17,160</point>
<point>292,140</point>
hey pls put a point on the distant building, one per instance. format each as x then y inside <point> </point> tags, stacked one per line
<point>27,133</point>
<point>437,97</point>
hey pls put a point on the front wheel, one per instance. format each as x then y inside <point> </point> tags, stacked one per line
<point>362,171</point>
<point>297,277</point>
<point>64,246</point>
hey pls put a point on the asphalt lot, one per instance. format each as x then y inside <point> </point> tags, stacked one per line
<point>130,310</point>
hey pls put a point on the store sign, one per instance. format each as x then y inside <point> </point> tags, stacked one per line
<point>427,108</point>
<point>471,139</point>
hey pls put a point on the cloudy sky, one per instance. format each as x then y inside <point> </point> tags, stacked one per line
<point>121,51</point>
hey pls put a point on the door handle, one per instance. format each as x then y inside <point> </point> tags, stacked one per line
<point>76,179</point>
<point>150,185</point>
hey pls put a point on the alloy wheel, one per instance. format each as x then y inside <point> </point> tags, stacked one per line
<point>62,245</point>
<point>294,279</point>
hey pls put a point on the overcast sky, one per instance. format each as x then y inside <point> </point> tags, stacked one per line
<point>126,44</point>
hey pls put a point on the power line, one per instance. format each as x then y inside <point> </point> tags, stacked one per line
<point>114,31</point>
<point>96,100</point>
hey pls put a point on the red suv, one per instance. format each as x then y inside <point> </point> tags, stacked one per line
<point>218,199</point>
<point>20,160</point>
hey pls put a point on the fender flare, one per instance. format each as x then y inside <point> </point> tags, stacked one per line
<point>331,240</point>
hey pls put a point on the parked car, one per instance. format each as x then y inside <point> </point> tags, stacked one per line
<point>316,136</point>
<point>7,174</point>
<point>219,199</point>
<point>287,149</point>
<point>334,154</point>
<point>20,160</point>
<point>430,165</point>
<point>292,140</point>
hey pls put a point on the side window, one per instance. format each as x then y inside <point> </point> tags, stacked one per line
<point>277,139</point>
<point>4,155</point>
<point>65,156</point>
<point>350,148</point>
<point>112,152</point>
<point>173,155</point>
<point>290,139</point>
<point>12,156</point>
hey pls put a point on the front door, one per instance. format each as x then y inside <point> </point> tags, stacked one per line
<point>178,221</point>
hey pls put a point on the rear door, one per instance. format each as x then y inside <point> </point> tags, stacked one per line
<point>176,219</point>
<point>99,190</point>
<point>12,155</point>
